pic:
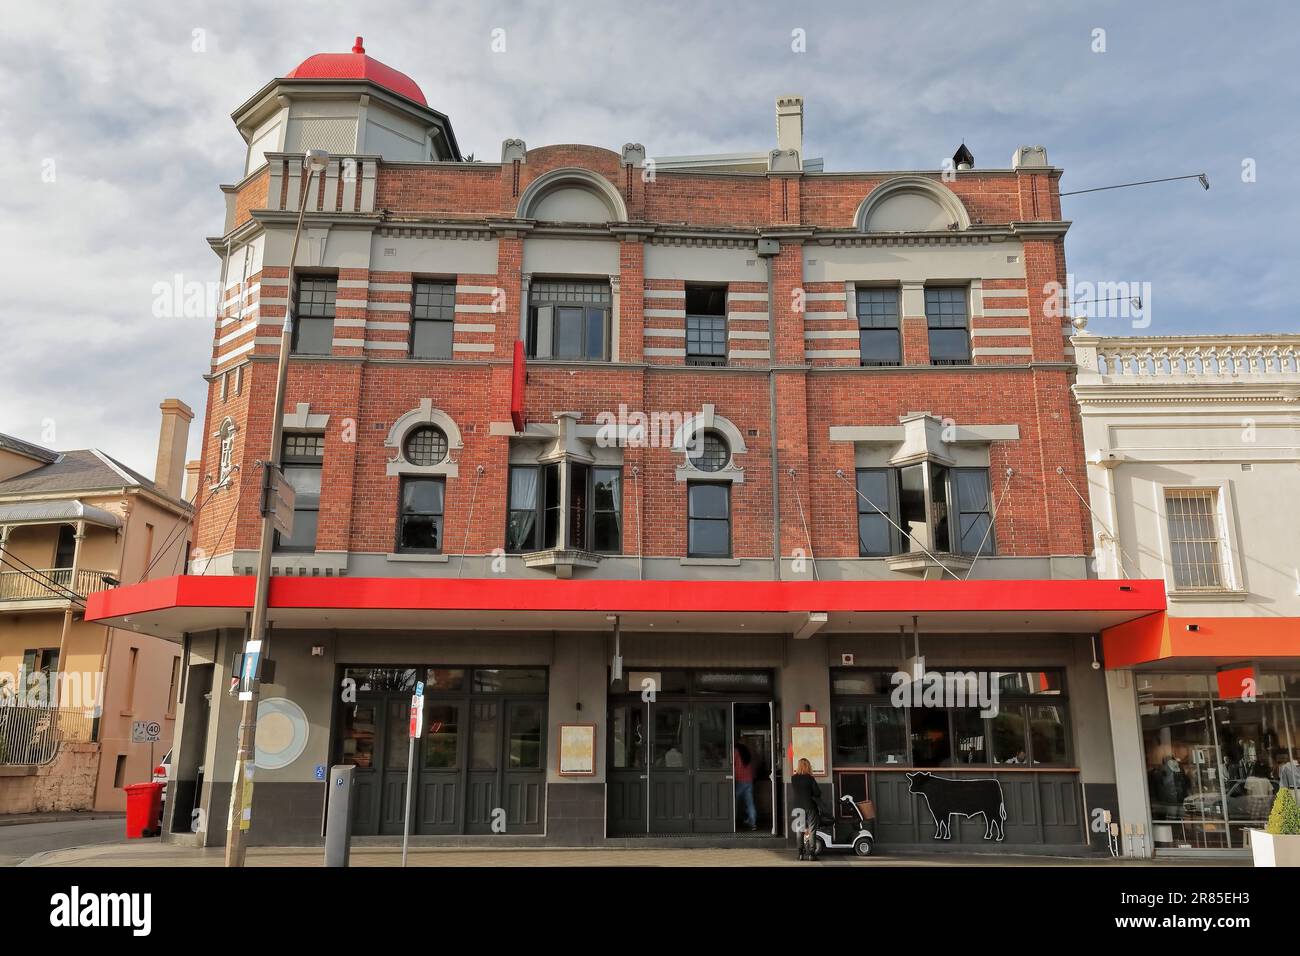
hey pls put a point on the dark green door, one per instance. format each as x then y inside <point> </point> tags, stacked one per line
<point>523,765</point>
<point>484,766</point>
<point>397,745</point>
<point>627,774</point>
<point>670,768</point>
<point>441,759</point>
<point>712,789</point>
<point>507,766</point>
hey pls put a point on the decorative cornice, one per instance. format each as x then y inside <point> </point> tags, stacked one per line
<point>704,240</point>
<point>510,228</point>
<point>1050,229</point>
<point>1192,393</point>
<point>851,237</point>
<point>444,230</point>
<point>286,217</point>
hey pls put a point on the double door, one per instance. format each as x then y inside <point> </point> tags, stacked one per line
<point>671,767</point>
<point>480,765</point>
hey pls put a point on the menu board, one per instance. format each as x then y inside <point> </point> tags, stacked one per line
<point>808,741</point>
<point>577,750</point>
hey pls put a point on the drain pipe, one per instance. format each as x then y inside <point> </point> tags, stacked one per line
<point>767,251</point>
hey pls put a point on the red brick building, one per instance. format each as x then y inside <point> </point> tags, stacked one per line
<point>775,429</point>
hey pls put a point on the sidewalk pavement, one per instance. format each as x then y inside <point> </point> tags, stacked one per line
<point>65,816</point>
<point>151,853</point>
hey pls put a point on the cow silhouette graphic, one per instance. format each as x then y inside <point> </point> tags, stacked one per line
<point>945,798</point>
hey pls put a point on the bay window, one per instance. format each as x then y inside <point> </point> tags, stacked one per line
<point>940,509</point>
<point>592,511</point>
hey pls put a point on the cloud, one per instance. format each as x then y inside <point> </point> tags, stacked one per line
<point>132,104</point>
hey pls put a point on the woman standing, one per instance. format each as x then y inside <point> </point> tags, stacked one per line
<point>805,809</point>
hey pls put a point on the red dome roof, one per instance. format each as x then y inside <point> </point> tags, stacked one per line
<point>357,66</point>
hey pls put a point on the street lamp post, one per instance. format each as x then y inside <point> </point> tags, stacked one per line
<point>241,786</point>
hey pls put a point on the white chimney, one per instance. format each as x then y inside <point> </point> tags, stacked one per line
<point>173,438</point>
<point>789,123</point>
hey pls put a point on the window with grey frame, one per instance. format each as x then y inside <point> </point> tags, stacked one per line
<point>706,325</point>
<point>568,319</point>
<point>948,324</point>
<point>302,458</point>
<point>594,510</point>
<point>708,519</point>
<point>419,519</point>
<point>879,339</point>
<point>922,499</point>
<point>433,314</point>
<point>313,315</point>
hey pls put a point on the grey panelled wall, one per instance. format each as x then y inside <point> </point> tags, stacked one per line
<point>1042,808</point>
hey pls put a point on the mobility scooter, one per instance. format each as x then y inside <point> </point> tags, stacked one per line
<point>838,834</point>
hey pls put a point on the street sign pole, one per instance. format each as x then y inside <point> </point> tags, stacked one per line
<point>417,724</point>
<point>240,818</point>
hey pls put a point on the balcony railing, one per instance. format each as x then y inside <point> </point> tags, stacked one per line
<point>347,185</point>
<point>30,736</point>
<point>50,584</point>
<point>1209,358</point>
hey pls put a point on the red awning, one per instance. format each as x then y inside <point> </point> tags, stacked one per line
<point>170,606</point>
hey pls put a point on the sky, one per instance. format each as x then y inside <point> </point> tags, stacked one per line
<point>117,133</point>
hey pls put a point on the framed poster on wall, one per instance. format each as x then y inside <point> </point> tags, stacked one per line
<point>808,740</point>
<point>577,750</point>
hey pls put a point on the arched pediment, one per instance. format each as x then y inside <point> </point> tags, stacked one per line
<point>423,414</point>
<point>572,195</point>
<point>911,204</point>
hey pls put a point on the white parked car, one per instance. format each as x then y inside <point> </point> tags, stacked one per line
<point>163,774</point>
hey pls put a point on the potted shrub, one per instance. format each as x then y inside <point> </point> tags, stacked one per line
<point>1278,844</point>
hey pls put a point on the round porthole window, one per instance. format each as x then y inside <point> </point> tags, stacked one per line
<point>426,445</point>
<point>712,453</point>
<point>282,732</point>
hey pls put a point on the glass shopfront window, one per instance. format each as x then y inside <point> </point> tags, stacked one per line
<point>1023,728</point>
<point>1214,762</point>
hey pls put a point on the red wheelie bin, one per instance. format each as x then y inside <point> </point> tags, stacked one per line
<point>143,810</point>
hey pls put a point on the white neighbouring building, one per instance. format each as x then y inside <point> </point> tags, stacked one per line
<point>1193,447</point>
